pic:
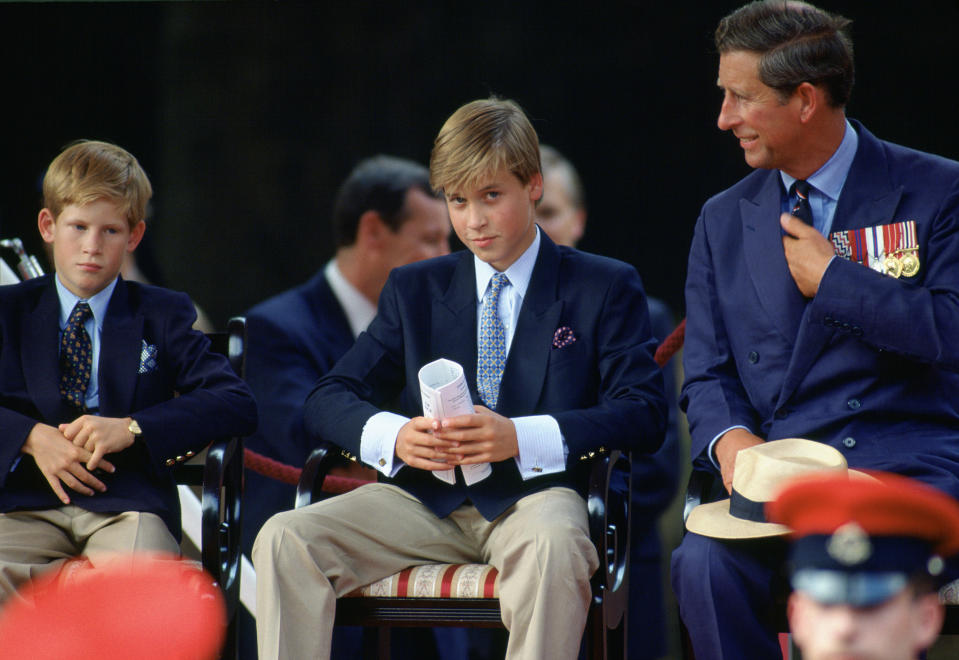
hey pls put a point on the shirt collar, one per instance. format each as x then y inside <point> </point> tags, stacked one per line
<point>98,302</point>
<point>518,274</point>
<point>830,178</point>
<point>358,309</point>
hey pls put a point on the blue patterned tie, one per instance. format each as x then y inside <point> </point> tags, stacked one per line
<point>492,344</point>
<point>76,357</point>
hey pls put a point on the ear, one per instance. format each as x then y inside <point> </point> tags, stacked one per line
<point>929,615</point>
<point>580,220</point>
<point>136,235</point>
<point>47,224</point>
<point>810,98</point>
<point>371,231</point>
<point>536,187</point>
<point>794,616</point>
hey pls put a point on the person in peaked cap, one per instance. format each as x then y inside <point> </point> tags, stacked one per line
<point>865,563</point>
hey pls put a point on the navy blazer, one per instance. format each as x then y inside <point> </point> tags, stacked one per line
<point>869,365</point>
<point>293,339</point>
<point>212,401</point>
<point>604,389</point>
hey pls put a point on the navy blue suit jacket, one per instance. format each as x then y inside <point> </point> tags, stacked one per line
<point>869,365</point>
<point>604,389</point>
<point>293,339</point>
<point>212,401</point>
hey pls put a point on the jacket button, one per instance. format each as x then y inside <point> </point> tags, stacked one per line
<point>827,320</point>
<point>849,442</point>
<point>170,462</point>
<point>854,404</point>
<point>753,357</point>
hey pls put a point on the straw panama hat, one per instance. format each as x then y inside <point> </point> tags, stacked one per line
<point>760,473</point>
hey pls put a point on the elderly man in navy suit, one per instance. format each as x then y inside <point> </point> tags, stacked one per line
<point>822,300</point>
<point>554,343</point>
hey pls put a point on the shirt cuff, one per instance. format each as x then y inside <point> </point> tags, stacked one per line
<point>378,442</point>
<point>712,445</point>
<point>542,449</point>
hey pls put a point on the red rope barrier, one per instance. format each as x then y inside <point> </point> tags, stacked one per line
<point>288,474</point>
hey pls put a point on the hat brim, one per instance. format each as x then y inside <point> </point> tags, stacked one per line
<point>714,520</point>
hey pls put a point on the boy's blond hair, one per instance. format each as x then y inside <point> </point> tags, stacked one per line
<point>89,170</point>
<point>480,139</point>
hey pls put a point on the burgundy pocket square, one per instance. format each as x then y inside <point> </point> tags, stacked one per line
<point>563,337</point>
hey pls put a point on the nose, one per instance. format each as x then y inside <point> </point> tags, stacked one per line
<point>92,242</point>
<point>475,218</point>
<point>727,114</point>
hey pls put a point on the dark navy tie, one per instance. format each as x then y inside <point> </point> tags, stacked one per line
<point>76,357</point>
<point>801,208</point>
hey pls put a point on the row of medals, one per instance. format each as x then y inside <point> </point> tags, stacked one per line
<point>902,264</point>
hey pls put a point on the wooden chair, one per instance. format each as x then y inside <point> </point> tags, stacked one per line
<point>220,478</point>
<point>608,504</point>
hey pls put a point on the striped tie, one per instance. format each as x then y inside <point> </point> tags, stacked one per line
<point>492,344</point>
<point>76,357</point>
<point>801,208</point>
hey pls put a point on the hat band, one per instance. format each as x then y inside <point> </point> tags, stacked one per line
<point>744,508</point>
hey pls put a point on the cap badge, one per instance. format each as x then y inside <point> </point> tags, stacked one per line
<point>849,545</point>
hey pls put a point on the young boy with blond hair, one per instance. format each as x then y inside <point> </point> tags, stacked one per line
<point>558,357</point>
<point>103,383</point>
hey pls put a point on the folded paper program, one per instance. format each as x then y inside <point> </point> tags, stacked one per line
<point>445,394</point>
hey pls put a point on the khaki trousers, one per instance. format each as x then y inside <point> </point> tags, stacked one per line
<point>308,557</point>
<point>34,542</point>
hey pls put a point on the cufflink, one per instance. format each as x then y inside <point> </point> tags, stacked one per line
<point>537,469</point>
<point>382,462</point>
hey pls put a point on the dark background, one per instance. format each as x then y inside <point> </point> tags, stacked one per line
<point>247,116</point>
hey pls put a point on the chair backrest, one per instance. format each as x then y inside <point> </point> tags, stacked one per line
<point>231,343</point>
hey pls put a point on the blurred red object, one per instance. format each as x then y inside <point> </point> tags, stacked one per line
<point>148,608</point>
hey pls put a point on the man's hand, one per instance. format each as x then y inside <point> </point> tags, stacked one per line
<point>484,437</point>
<point>99,436</point>
<point>807,253</point>
<point>61,462</point>
<point>418,447</point>
<point>726,449</point>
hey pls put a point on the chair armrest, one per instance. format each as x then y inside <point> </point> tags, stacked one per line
<point>700,488</point>
<point>608,506</point>
<point>221,501</point>
<point>317,468</point>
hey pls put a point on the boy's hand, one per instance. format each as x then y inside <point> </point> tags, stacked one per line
<point>61,462</point>
<point>99,436</point>
<point>808,253</point>
<point>418,447</point>
<point>484,437</point>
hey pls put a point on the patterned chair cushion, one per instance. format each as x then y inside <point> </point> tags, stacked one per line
<point>436,581</point>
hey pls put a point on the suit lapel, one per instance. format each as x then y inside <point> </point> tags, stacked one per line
<point>453,331</point>
<point>525,371</point>
<point>120,346</point>
<point>868,198</point>
<point>41,356</point>
<point>762,240</point>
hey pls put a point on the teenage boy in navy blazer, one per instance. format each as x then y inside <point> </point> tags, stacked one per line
<point>104,385</point>
<point>579,375</point>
